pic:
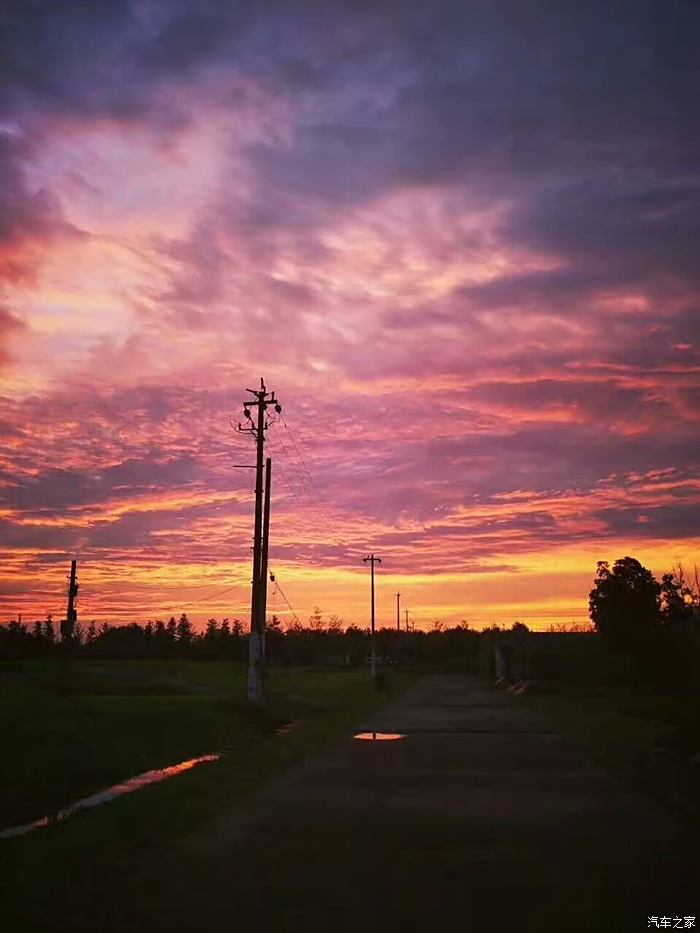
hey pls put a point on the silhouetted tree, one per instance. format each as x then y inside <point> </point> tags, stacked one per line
<point>625,604</point>
<point>160,639</point>
<point>679,600</point>
<point>16,641</point>
<point>49,631</point>
<point>184,633</point>
<point>316,620</point>
<point>169,638</point>
<point>335,624</point>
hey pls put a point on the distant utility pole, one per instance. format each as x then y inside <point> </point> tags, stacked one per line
<point>68,625</point>
<point>256,656</point>
<point>372,560</point>
<point>398,612</point>
<point>407,620</point>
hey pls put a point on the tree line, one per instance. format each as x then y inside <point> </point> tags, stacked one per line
<point>655,626</point>
<point>320,640</point>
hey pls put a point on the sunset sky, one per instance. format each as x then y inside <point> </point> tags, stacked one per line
<point>459,241</point>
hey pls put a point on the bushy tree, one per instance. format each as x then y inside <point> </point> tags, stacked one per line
<point>335,624</point>
<point>625,604</point>
<point>679,598</point>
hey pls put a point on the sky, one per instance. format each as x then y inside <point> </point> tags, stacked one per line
<point>459,241</point>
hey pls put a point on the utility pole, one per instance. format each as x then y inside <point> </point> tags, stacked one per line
<point>407,620</point>
<point>264,553</point>
<point>68,625</point>
<point>372,560</point>
<point>398,612</point>
<point>256,655</point>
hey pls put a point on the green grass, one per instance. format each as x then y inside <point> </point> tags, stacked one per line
<point>68,736</point>
<point>650,741</point>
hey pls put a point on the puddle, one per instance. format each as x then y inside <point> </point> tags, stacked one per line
<point>287,727</point>
<point>104,796</point>
<point>378,736</point>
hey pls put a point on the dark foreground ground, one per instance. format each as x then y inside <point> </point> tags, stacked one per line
<point>481,817</point>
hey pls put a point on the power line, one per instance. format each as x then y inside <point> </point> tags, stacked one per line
<point>191,586</point>
<point>307,483</point>
<point>314,515</point>
<point>204,599</point>
<point>321,498</point>
<point>300,478</point>
<point>282,594</point>
<point>307,507</point>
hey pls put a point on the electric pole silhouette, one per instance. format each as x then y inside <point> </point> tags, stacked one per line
<point>398,612</point>
<point>256,642</point>
<point>68,625</point>
<point>262,601</point>
<point>372,560</point>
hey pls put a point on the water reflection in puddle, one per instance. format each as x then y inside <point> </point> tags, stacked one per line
<point>104,796</point>
<point>379,736</point>
<point>287,727</point>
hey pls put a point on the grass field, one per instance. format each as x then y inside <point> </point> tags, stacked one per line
<point>652,742</point>
<point>69,734</point>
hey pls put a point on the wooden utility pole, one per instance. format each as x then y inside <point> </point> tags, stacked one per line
<point>264,553</point>
<point>68,625</point>
<point>407,620</point>
<point>256,651</point>
<point>372,560</point>
<point>398,612</point>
